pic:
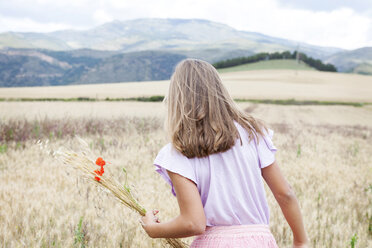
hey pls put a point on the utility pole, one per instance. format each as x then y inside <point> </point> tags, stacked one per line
<point>298,54</point>
<point>297,58</point>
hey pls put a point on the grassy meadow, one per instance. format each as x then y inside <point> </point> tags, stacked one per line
<point>274,64</point>
<point>324,152</point>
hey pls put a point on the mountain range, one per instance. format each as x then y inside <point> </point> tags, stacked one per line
<point>143,49</point>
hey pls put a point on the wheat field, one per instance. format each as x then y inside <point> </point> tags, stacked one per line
<point>261,84</point>
<point>324,152</point>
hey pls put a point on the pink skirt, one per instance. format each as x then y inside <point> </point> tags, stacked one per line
<point>247,236</point>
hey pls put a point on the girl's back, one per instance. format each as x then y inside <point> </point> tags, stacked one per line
<point>229,183</point>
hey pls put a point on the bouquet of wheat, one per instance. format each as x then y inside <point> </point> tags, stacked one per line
<point>88,168</point>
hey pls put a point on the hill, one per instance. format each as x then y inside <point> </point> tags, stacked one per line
<point>142,49</point>
<point>194,38</point>
<point>30,67</point>
<point>25,67</point>
<point>355,61</point>
<point>275,64</point>
<point>286,55</point>
<point>161,34</point>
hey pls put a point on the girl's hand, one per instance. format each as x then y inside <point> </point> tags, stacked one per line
<point>149,219</point>
<point>305,245</point>
<point>301,244</point>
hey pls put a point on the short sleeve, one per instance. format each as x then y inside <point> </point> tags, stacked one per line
<point>266,149</point>
<point>172,160</point>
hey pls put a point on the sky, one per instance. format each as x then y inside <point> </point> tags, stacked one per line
<point>336,23</point>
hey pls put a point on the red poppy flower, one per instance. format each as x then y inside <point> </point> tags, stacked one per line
<point>100,172</point>
<point>100,161</point>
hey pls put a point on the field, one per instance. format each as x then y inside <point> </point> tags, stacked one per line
<point>261,84</point>
<point>324,152</point>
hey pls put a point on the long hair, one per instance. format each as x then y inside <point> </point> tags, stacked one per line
<point>201,113</point>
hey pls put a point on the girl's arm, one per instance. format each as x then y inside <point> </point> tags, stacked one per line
<point>191,220</point>
<point>287,200</point>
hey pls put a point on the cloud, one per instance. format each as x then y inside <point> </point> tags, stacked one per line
<point>341,27</point>
<point>326,23</point>
<point>360,6</point>
<point>29,25</point>
<point>102,16</point>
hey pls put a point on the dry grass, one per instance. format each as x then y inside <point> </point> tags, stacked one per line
<point>263,84</point>
<point>43,204</point>
<point>61,110</point>
<point>334,115</point>
<point>83,161</point>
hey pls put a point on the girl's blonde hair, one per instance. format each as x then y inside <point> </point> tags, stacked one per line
<point>201,113</point>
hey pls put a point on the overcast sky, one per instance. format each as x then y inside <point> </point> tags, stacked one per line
<point>338,23</point>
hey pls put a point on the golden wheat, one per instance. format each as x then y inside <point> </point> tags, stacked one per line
<point>82,161</point>
<point>328,163</point>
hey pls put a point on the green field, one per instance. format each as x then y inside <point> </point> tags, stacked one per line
<point>276,64</point>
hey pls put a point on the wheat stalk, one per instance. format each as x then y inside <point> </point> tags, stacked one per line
<point>82,162</point>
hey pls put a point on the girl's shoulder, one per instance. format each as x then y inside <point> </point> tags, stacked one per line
<point>169,152</point>
<point>263,144</point>
<point>169,159</point>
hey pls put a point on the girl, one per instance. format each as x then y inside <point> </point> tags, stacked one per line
<point>214,165</point>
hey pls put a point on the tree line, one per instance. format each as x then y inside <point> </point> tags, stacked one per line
<point>315,63</point>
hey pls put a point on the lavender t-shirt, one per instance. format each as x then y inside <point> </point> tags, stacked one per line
<point>229,183</point>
